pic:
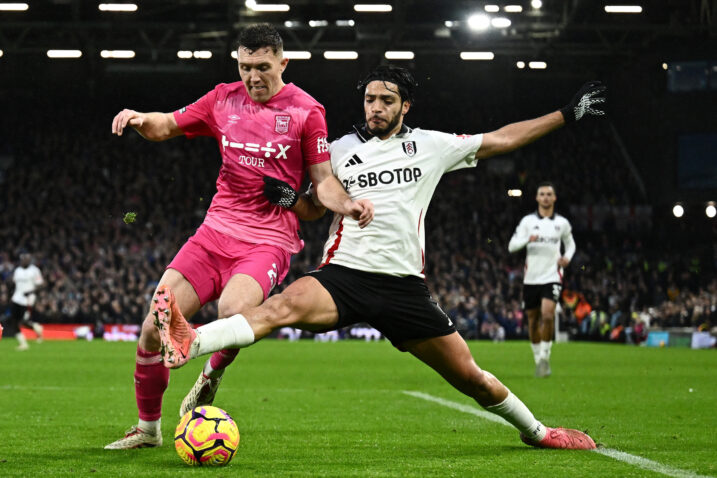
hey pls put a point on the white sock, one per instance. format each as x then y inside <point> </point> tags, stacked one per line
<point>153,427</point>
<point>517,414</point>
<point>537,349</point>
<point>545,349</point>
<point>232,332</point>
<point>21,340</point>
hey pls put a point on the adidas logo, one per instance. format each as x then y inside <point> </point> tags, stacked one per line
<point>353,161</point>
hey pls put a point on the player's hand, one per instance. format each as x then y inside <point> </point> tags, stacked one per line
<point>584,101</point>
<point>533,238</point>
<point>280,192</point>
<point>361,210</point>
<point>127,117</point>
<point>563,262</point>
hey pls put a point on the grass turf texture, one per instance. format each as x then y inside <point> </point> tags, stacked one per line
<point>338,409</point>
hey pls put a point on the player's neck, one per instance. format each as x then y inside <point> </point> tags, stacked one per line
<point>546,212</point>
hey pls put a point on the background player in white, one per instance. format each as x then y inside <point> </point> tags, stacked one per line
<point>376,274</point>
<point>28,281</point>
<point>542,233</point>
<point>243,247</point>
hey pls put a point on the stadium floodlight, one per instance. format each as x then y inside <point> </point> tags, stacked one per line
<point>373,8</point>
<point>449,23</point>
<point>117,54</point>
<point>536,4</point>
<point>537,65</point>
<point>520,64</point>
<point>202,54</point>
<point>64,53</point>
<point>340,55</point>
<point>117,7</point>
<point>297,55</point>
<point>1,53</point>
<point>184,54</point>
<point>664,66</point>
<point>477,55</point>
<point>515,193</point>
<point>345,23</point>
<point>478,22</point>
<point>711,210</point>
<point>318,23</point>
<point>678,210</point>
<point>491,8</point>
<point>399,55</point>
<point>623,9</point>
<point>266,7</point>
<point>291,23</point>
<point>14,7</point>
<point>513,8</point>
<point>500,22</point>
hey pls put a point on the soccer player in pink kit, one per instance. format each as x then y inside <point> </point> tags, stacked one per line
<point>263,128</point>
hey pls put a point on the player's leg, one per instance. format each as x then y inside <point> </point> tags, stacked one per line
<point>35,326</point>
<point>450,357</point>
<point>531,305</point>
<point>305,304</point>
<point>13,328</point>
<point>547,332</point>
<point>242,292</point>
<point>252,271</point>
<point>151,377</point>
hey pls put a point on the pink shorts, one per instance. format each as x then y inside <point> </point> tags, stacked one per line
<point>209,259</point>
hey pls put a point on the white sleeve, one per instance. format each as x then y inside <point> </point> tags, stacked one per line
<point>38,277</point>
<point>568,242</point>
<point>457,151</point>
<point>520,237</point>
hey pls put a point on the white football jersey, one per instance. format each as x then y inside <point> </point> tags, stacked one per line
<point>26,280</point>
<point>399,175</point>
<point>541,257</point>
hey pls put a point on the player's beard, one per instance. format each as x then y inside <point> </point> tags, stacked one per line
<point>389,127</point>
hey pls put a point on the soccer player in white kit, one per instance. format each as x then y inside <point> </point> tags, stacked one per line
<point>541,233</point>
<point>28,281</point>
<point>376,274</point>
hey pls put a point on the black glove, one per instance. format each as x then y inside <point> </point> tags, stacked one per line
<point>279,192</point>
<point>582,103</point>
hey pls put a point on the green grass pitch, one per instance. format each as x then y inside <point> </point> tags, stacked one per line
<point>339,409</point>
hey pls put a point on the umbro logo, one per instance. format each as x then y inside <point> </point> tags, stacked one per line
<point>353,161</point>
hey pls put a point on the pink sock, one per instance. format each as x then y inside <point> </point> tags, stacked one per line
<point>151,378</point>
<point>221,360</point>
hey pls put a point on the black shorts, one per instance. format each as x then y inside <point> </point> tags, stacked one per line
<point>17,312</point>
<point>533,294</point>
<point>401,308</point>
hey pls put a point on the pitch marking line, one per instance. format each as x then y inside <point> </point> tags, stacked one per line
<point>633,460</point>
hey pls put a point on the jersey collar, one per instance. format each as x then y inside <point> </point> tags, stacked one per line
<point>552,216</point>
<point>365,135</point>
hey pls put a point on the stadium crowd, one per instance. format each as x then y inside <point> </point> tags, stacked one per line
<point>64,198</point>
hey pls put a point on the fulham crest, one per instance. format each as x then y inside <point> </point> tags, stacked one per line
<point>409,147</point>
<point>282,124</point>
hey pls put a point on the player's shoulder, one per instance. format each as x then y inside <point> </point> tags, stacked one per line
<point>224,90</point>
<point>302,97</point>
<point>561,219</point>
<point>343,143</point>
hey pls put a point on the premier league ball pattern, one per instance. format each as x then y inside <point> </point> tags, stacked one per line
<point>206,436</point>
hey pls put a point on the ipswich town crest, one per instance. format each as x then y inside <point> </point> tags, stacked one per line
<point>409,147</point>
<point>282,123</point>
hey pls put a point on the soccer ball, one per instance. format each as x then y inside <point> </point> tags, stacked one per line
<point>206,436</point>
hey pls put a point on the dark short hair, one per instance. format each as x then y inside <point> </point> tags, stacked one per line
<point>393,74</point>
<point>546,184</point>
<point>260,35</point>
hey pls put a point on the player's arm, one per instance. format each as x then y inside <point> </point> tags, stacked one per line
<point>151,126</point>
<point>332,195</point>
<point>520,238</point>
<point>569,244</point>
<point>517,135</point>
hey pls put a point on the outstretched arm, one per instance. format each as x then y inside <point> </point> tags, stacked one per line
<point>332,195</point>
<point>517,135</point>
<point>151,126</point>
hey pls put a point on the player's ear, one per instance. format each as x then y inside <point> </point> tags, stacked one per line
<point>283,63</point>
<point>405,107</point>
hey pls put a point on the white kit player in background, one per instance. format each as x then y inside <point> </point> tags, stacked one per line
<point>542,233</point>
<point>28,281</point>
<point>376,274</point>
